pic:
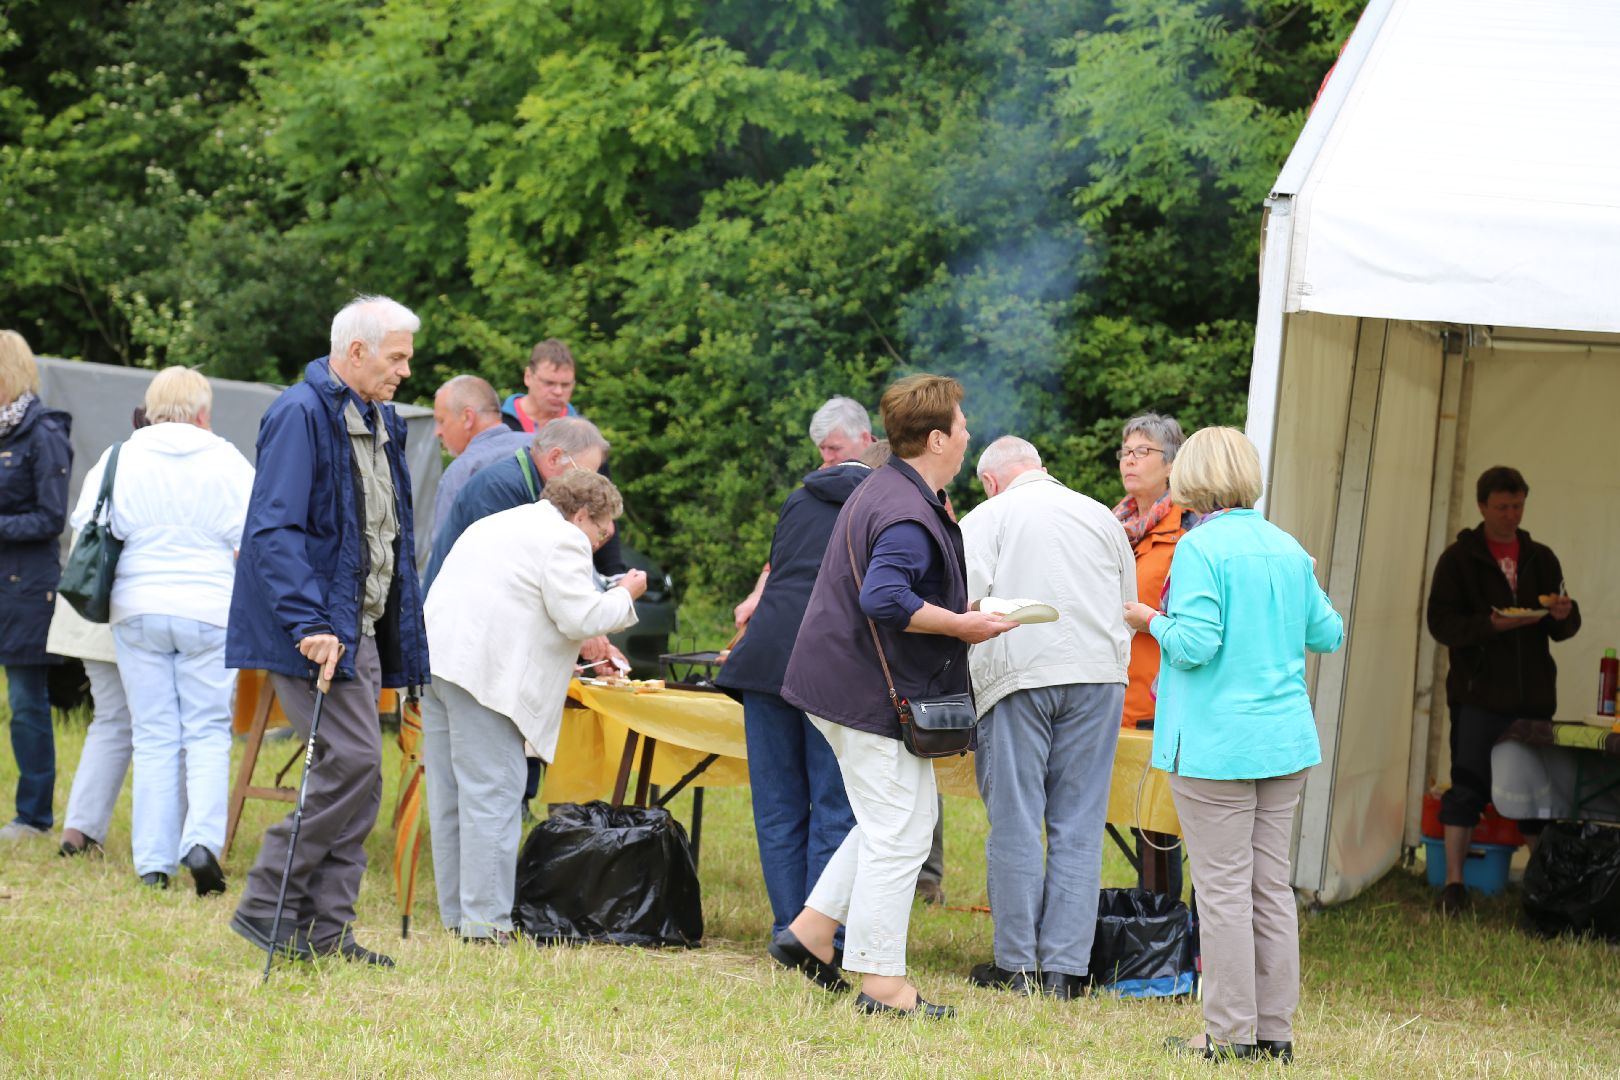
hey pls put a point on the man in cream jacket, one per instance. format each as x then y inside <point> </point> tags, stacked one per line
<point>505,618</point>
<point>1049,700</point>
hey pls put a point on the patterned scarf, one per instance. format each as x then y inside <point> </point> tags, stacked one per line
<point>1137,525</point>
<point>11,415</point>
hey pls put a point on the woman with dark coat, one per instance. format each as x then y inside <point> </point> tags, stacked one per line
<point>35,460</point>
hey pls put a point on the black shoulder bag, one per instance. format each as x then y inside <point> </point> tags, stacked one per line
<point>930,727</point>
<point>87,580</point>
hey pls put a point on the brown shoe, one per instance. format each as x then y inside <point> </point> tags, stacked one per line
<point>1453,900</point>
<point>930,891</point>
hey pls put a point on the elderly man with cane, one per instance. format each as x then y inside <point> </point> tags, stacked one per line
<point>326,591</point>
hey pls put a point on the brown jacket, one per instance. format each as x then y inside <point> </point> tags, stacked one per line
<point>1152,567</point>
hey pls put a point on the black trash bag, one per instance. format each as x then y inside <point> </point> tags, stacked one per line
<point>617,874</point>
<point>1572,884</point>
<point>1143,946</point>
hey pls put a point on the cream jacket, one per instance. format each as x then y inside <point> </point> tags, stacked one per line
<point>506,615</point>
<point>1040,541</point>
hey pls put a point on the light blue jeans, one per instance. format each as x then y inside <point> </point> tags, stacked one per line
<point>179,691</point>
<point>1046,757</point>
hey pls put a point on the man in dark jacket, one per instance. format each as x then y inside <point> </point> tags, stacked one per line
<point>801,813</point>
<point>1501,664</point>
<point>326,586</point>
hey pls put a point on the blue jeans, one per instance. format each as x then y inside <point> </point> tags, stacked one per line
<point>180,695</point>
<point>32,742</point>
<point>801,813</point>
<point>1046,756</point>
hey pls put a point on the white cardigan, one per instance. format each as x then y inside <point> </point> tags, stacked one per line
<point>1040,541</point>
<point>506,615</point>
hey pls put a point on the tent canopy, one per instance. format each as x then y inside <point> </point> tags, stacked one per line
<point>1437,296</point>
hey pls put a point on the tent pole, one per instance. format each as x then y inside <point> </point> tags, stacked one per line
<point>1270,324</point>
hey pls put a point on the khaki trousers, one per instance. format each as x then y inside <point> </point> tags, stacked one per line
<point>1238,834</point>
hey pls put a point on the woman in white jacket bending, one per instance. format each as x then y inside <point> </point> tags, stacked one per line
<point>505,618</point>
<point>179,501</point>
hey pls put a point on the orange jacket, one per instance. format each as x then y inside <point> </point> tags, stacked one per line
<point>1152,567</point>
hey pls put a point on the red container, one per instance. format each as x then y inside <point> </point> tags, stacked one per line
<point>1493,828</point>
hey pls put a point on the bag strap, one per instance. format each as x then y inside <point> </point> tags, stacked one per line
<point>107,481</point>
<point>849,544</point>
<point>526,463</point>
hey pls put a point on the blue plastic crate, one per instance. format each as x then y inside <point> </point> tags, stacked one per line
<point>1486,868</point>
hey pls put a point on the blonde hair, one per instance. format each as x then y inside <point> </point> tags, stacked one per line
<point>178,395</point>
<point>577,490</point>
<point>18,372</point>
<point>1217,469</point>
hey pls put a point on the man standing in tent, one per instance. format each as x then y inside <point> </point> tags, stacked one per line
<point>1501,664</point>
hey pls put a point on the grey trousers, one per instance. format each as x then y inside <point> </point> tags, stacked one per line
<point>340,806</point>
<point>1238,834</point>
<point>105,760</point>
<point>475,776</point>
<point>1046,758</point>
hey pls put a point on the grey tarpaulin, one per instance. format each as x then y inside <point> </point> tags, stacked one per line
<point>102,397</point>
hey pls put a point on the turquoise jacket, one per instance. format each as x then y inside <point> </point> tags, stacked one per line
<point>1244,606</point>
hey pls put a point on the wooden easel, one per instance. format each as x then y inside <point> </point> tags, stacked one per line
<point>243,788</point>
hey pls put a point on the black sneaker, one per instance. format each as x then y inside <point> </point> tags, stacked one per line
<point>991,977</point>
<point>289,939</point>
<point>1453,900</point>
<point>349,949</point>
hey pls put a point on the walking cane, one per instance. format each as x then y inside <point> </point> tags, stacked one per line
<point>321,688</point>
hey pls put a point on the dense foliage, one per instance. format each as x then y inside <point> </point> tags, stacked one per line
<point>730,209</point>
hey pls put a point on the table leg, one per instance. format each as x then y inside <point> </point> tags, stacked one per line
<point>649,747</point>
<point>697,824</point>
<point>626,759</point>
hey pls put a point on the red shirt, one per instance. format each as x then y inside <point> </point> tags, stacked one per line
<point>1507,557</point>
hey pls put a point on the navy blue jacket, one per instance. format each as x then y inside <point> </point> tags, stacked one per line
<point>303,562</point>
<point>803,530</point>
<point>35,460</point>
<point>496,487</point>
<point>834,672</point>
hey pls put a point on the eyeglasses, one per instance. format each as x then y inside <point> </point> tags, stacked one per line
<point>1137,452</point>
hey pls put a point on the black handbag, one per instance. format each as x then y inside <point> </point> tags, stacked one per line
<point>87,580</point>
<point>932,727</point>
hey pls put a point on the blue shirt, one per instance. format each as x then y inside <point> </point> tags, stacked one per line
<point>1244,607</point>
<point>904,568</point>
<point>486,447</point>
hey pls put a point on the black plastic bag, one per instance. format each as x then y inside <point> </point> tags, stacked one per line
<point>1572,883</point>
<point>1143,946</point>
<point>617,874</point>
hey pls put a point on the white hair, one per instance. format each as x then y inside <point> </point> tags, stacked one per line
<point>369,319</point>
<point>1005,451</point>
<point>840,414</point>
<point>1161,430</point>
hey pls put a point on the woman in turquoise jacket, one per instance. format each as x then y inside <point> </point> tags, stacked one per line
<point>1236,732</point>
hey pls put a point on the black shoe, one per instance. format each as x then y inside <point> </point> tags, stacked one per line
<point>206,873</point>
<point>157,879</point>
<point>1064,987</point>
<point>786,949</point>
<point>498,938</point>
<point>345,946</point>
<point>84,845</point>
<point>1280,1049</point>
<point>1453,900</point>
<point>991,977</point>
<point>290,940</point>
<point>931,892</point>
<point>866,1003</point>
<point>1211,1050</point>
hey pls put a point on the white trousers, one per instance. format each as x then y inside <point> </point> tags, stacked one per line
<point>869,882</point>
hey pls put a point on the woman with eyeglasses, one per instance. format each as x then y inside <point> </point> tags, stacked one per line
<point>506,616</point>
<point>1153,524</point>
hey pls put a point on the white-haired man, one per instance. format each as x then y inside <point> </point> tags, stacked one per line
<point>841,429</point>
<point>467,420</point>
<point>326,588</point>
<point>1049,700</point>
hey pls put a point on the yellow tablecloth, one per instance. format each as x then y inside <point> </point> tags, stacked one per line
<point>690,725</point>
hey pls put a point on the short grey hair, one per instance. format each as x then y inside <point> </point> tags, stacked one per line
<point>470,392</point>
<point>840,414</point>
<point>1005,451</point>
<point>570,434</point>
<point>369,319</point>
<point>1163,430</point>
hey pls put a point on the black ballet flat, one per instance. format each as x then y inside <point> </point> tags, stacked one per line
<point>1278,1049</point>
<point>786,949</point>
<point>1211,1050</point>
<point>926,1010</point>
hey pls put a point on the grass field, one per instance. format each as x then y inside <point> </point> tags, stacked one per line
<point>100,976</point>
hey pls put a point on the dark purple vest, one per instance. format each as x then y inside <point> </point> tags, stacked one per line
<point>834,671</point>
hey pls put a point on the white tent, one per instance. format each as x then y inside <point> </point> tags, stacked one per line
<point>1440,292</point>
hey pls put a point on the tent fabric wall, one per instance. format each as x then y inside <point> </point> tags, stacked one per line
<point>101,399</point>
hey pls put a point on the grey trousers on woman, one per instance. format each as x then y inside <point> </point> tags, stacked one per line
<point>1238,834</point>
